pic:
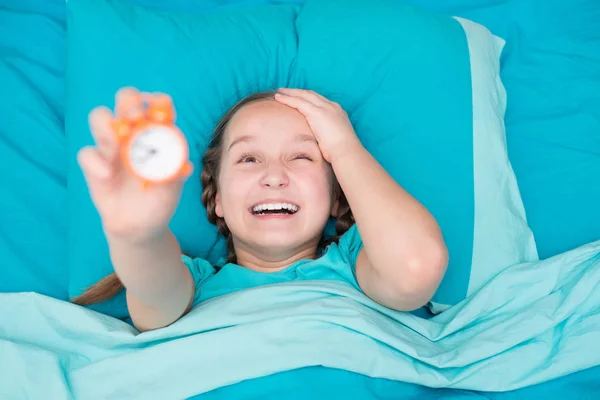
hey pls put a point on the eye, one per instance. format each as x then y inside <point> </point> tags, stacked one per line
<point>247,158</point>
<point>302,156</point>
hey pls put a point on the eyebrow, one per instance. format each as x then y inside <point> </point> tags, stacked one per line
<point>245,138</point>
<point>305,137</point>
<point>301,137</point>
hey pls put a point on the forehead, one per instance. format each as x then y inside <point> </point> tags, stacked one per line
<point>267,119</point>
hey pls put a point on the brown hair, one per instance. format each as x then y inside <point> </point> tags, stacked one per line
<point>110,286</point>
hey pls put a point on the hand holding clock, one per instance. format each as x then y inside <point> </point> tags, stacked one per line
<point>137,168</point>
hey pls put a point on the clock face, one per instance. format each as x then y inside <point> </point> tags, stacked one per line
<point>157,153</point>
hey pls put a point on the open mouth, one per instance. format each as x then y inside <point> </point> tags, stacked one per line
<point>274,209</point>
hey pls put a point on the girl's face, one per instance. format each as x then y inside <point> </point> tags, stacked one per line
<point>275,189</point>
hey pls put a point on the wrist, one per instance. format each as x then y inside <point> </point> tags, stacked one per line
<point>147,239</point>
<point>348,150</point>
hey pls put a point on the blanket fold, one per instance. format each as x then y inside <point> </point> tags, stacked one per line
<point>530,323</point>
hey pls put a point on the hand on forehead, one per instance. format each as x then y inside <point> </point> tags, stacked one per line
<point>268,122</point>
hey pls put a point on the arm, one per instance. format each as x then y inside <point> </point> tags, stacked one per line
<point>145,254</point>
<point>159,286</point>
<point>404,256</point>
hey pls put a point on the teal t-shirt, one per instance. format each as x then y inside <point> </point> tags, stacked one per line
<point>337,263</point>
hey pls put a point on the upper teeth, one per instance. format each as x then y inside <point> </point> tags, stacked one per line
<point>275,206</point>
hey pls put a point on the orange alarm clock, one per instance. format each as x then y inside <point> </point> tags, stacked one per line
<point>153,149</point>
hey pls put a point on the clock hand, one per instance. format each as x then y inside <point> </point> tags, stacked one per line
<point>149,153</point>
<point>142,146</point>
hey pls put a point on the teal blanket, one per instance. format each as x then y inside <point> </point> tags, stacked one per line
<point>531,323</point>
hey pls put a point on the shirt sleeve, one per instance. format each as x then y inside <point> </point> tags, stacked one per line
<point>350,245</point>
<point>201,270</point>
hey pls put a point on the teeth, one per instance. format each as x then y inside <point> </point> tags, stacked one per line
<point>275,206</point>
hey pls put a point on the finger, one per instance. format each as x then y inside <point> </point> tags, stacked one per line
<point>93,165</point>
<point>303,106</point>
<point>307,95</point>
<point>100,120</point>
<point>129,103</point>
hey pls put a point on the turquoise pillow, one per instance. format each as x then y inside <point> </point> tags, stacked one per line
<point>422,91</point>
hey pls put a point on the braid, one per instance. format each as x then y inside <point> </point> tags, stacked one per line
<point>209,194</point>
<point>345,219</point>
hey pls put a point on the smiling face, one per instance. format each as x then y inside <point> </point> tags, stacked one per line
<point>275,190</point>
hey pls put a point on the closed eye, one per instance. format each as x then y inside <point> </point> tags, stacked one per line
<point>302,157</point>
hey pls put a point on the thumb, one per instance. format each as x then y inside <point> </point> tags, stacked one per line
<point>97,171</point>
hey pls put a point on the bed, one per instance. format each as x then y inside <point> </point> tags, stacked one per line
<point>551,70</point>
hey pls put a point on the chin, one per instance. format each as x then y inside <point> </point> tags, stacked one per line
<point>275,241</point>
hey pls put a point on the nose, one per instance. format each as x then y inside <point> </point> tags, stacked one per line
<point>275,176</point>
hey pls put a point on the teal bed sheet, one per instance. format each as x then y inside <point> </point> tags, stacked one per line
<point>546,314</point>
<point>33,184</point>
<point>320,383</point>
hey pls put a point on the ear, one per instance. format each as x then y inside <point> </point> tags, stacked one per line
<point>218,206</point>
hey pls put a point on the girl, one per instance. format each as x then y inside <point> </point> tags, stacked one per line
<point>278,167</point>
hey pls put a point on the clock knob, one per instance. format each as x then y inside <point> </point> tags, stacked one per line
<point>122,129</point>
<point>160,109</point>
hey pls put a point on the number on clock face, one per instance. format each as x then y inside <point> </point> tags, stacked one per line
<point>157,153</point>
